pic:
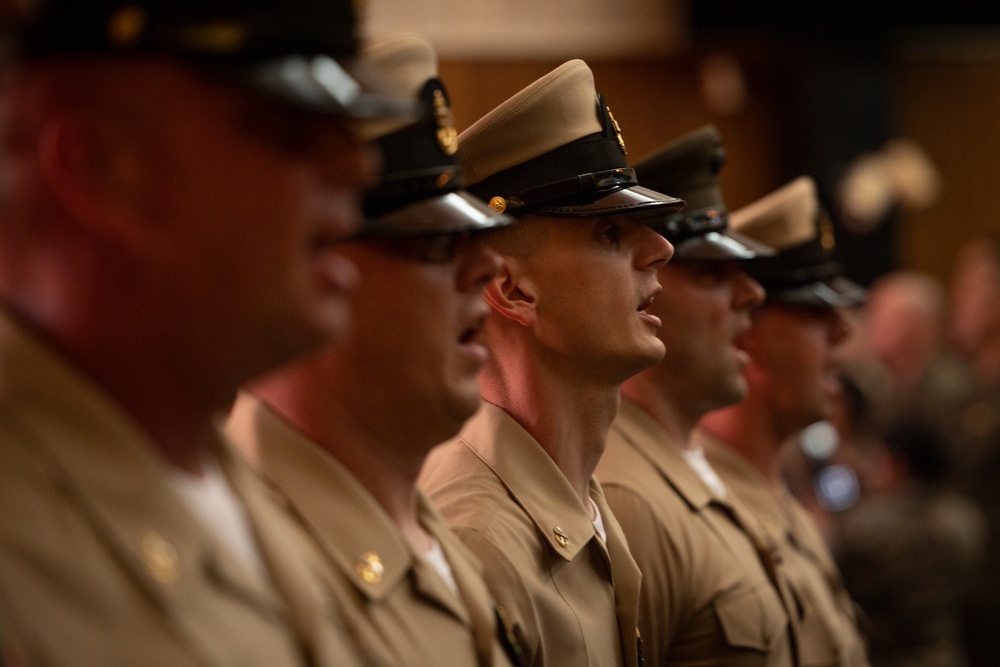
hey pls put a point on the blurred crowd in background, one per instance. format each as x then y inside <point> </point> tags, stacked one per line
<point>903,478</point>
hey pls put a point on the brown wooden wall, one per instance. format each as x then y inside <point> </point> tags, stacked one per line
<point>951,106</point>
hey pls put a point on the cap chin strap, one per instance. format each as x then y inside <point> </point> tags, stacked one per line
<point>580,189</point>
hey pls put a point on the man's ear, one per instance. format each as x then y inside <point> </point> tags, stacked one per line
<point>512,294</point>
<point>93,180</point>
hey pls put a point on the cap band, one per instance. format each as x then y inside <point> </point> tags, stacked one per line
<point>806,263</point>
<point>418,162</point>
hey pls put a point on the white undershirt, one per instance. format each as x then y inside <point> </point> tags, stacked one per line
<point>436,558</point>
<point>212,499</point>
<point>599,522</point>
<point>696,459</point>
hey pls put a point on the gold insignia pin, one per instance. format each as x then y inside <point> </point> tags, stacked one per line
<point>618,129</point>
<point>370,568</point>
<point>826,237</point>
<point>126,25</point>
<point>446,134</point>
<point>160,556</point>
<point>444,179</point>
<point>561,536</point>
<point>498,204</point>
<point>216,38</point>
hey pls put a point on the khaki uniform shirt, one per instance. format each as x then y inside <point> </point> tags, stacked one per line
<point>398,608</point>
<point>827,623</point>
<point>103,563</point>
<point>709,578</point>
<point>570,598</point>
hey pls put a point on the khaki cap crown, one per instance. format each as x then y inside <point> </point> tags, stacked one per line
<point>554,148</point>
<point>542,117</point>
<point>781,219</point>
<point>689,168</point>
<point>805,271</point>
<point>404,62</point>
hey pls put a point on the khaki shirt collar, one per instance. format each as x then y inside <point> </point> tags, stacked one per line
<point>351,528</point>
<point>533,480</point>
<point>637,427</point>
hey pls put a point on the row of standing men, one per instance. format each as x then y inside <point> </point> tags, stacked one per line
<point>205,200</point>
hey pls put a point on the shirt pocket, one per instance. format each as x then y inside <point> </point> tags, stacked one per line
<point>750,619</point>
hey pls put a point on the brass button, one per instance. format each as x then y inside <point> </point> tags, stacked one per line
<point>161,557</point>
<point>370,568</point>
<point>498,204</point>
<point>561,537</point>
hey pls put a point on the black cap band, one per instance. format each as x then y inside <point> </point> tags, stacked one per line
<point>806,263</point>
<point>418,162</point>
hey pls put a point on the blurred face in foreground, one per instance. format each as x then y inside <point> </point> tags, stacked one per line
<point>220,205</point>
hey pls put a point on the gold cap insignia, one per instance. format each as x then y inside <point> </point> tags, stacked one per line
<point>370,568</point>
<point>561,536</point>
<point>826,237</point>
<point>126,25</point>
<point>618,129</point>
<point>216,38</point>
<point>444,178</point>
<point>446,134</point>
<point>498,204</point>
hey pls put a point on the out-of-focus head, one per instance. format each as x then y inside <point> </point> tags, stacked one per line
<point>804,270</point>
<point>554,149</point>
<point>975,296</point>
<point>688,168</point>
<point>298,51</point>
<point>903,319</point>
<point>796,335</point>
<point>420,191</point>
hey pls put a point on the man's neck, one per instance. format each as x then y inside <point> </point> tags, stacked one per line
<point>746,429</point>
<point>676,421</point>
<point>569,420</point>
<point>383,465</point>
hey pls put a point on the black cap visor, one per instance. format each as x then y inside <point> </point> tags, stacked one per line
<point>320,83</point>
<point>451,213</point>
<point>719,246</point>
<point>635,201</point>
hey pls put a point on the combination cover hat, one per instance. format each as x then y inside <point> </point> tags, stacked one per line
<point>420,189</point>
<point>804,270</point>
<point>298,51</point>
<point>555,149</point>
<point>689,167</point>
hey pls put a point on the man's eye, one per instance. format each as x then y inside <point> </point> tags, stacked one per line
<point>438,247</point>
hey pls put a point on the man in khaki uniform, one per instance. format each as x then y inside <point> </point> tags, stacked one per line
<point>569,324</point>
<point>792,384</point>
<point>173,176</point>
<point>711,592</point>
<point>343,433</point>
